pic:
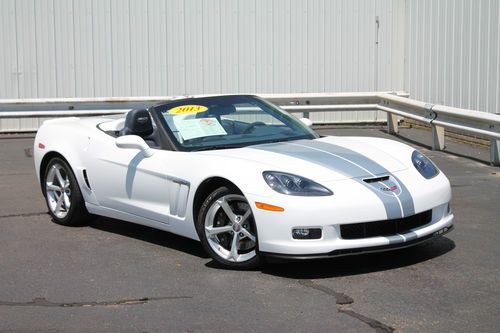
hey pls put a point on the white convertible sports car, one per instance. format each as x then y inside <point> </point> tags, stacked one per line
<point>245,178</point>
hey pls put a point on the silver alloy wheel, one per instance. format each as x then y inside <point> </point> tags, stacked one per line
<point>233,236</point>
<point>57,190</point>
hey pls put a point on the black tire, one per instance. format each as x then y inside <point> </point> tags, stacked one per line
<point>212,215</point>
<point>73,214</point>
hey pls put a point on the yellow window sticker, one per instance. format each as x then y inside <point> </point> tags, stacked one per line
<point>183,109</point>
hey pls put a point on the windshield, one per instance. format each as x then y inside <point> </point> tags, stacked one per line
<point>228,122</point>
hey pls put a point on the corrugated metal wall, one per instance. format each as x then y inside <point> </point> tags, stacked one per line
<point>453,52</point>
<point>443,51</point>
<point>83,48</point>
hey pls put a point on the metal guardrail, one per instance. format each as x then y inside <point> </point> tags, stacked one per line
<point>395,104</point>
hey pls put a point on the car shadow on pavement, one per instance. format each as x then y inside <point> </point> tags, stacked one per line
<point>147,234</point>
<point>360,264</point>
<point>309,269</point>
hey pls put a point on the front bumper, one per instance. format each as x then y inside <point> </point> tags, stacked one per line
<point>332,244</point>
<point>351,203</point>
<point>355,251</point>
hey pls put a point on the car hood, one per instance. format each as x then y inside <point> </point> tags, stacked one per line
<point>324,159</point>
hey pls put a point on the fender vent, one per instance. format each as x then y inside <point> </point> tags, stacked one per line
<point>86,178</point>
<point>375,180</point>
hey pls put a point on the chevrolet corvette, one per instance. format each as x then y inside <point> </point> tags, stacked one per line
<point>246,179</point>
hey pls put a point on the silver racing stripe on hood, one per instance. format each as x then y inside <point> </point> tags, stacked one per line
<point>404,197</point>
<point>351,164</point>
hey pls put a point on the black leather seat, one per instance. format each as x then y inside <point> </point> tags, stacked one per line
<point>138,122</point>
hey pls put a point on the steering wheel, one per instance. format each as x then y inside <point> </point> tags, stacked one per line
<point>251,126</point>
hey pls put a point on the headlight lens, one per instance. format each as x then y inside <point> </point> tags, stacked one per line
<point>424,165</point>
<point>286,183</point>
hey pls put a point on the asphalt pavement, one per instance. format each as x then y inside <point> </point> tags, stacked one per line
<point>119,277</point>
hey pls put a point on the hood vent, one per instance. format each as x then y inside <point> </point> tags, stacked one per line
<point>375,180</point>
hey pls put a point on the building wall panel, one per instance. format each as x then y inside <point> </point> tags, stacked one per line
<point>45,48</point>
<point>84,50</point>
<point>103,48</point>
<point>452,55</point>
<point>26,47</point>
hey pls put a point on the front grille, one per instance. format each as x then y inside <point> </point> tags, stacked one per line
<point>386,227</point>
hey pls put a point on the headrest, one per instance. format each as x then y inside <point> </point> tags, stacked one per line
<point>138,122</point>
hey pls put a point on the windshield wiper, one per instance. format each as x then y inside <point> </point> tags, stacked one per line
<point>217,147</point>
<point>275,141</point>
<point>247,144</point>
<point>280,140</point>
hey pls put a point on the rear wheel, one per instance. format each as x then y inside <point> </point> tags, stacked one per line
<point>62,194</point>
<point>227,230</point>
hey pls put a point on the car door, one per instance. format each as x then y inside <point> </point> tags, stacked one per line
<point>127,181</point>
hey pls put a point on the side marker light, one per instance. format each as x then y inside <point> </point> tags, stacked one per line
<point>269,207</point>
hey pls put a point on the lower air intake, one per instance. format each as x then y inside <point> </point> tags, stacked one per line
<point>386,227</point>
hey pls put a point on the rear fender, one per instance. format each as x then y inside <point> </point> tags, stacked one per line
<point>72,149</point>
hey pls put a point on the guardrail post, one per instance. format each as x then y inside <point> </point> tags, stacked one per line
<point>437,137</point>
<point>392,123</point>
<point>495,152</point>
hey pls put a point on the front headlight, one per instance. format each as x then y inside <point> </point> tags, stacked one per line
<point>286,183</point>
<point>424,165</point>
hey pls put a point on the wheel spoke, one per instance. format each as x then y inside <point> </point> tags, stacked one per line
<point>67,201</point>
<point>227,209</point>
<point>60,178</point>
<point>218,230</point>
<point>248,234</point>
<point>234,247</point>
<point>246,215</point>
<point>52,187</point>
<point>59,204</point>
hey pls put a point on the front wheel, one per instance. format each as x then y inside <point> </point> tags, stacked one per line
<point>227,230</point>
<point>62,194</point>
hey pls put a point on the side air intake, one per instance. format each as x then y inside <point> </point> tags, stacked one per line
<point>86,178</point>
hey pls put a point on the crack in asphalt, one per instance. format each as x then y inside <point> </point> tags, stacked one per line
<point>375,324</point>
<point>343,301</point>
<point>23,215</point>
<point>340,298</point>
<point>128,301</point>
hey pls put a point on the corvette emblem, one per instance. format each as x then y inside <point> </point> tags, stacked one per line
<point>392,188</point>
<point>388,186</point>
